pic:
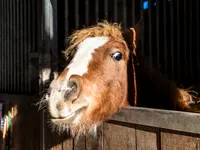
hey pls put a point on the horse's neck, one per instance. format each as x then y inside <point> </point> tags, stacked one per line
<point>154,89</point>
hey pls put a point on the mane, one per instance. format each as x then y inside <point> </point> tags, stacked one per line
<point>100,29</point>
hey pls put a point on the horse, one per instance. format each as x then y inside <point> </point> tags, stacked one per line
<point>105,73</point>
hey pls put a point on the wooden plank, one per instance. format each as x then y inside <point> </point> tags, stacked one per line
<point>68,144</point>
<point>147,138</point>
<point>119,137</point>
<point>95,142</point>
<point>55,140</point>
<point>174,120</point>
<point>179,141</point>
<point>79,143</point>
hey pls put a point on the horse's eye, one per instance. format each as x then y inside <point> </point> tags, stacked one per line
<point>117,56</point>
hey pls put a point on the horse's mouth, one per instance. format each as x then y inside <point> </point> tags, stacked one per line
<point>69,118</point>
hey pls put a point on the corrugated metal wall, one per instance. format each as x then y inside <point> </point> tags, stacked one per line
<point>171,35</point>
<point>18,43</point>
<point>171,30</point>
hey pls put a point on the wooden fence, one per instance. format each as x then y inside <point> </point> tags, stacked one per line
<point>138,129</point>
<point>131,128</point>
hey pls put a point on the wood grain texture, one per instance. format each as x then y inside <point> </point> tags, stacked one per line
<point>172,140</point>
<point>147,138</point>
<point>79,143</point>
<point>95,142</point>
<point>118,137</point>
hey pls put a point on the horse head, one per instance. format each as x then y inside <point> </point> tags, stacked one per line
<point>94,85</point>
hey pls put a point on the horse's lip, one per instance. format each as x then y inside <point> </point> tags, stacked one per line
<point>68,118</point>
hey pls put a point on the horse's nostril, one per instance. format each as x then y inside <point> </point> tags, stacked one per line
<point>73,89</point>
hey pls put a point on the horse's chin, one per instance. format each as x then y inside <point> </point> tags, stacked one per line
<point>71,118</point>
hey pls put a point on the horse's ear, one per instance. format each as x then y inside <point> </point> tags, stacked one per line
<point>139,30</point>
<point>132,36</point>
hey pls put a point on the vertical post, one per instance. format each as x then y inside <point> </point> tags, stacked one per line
<point>1,49</point>
<point>14,44</point>
<point>115,10</point>
<point>8,76</point>
<point>50,45</point>
<point>185,39</point>
<point>191,38</point>
<point>17,44</point>
<point>197,40</point>
<point>142,36</point>
<point>150,30</point>
<point>66,18</point>
<point>158,31</point>
<point>21,44</point>
<point>5,47</point>
<point>76,14</point>
<point>165,31</point>
<point>25,18</point>
<point>106,9</point>
<point>124,14</point>
<point>87,12</point>
<point>172,36</point>
<point>97,10</point>
<point>178,38</point>
<point>11,44</point>
<point>29,41</point>
<point>133,12</point>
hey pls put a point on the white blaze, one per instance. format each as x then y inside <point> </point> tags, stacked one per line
<point>78,66</point>
<point>83,55</point>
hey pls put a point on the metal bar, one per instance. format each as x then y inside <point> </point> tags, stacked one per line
<point>21,57</point>
<point>3,47</point>
<point>76,14</point>
<point>185,39</point>
<point>191,39</point>
<point>29,38</point>
<point>42,6</point>
<point>1,50</point>
<point>197,40</point>
<point>133,12</point>
<point>33,38</point>
<point>178,38</point>
<point>172,36</point>
<point>11,45</point>
<point>167,119</point>
<point>158,31</point>
<point>150,30</point>
<point>106,9</point>
<point>14,45</point>
<point>6,47</point>
<point>165,31</point>
<point>142,36</point>
<point>87,12</point>
<point>25,18</point>
<point>97,10</point>
<point>124,14</point>
<point>18,44</point>
<point>9,42</point>
<point>115,11</point>
<point>66,18</point>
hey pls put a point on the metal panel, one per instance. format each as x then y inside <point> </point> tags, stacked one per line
<point>18,40</point>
